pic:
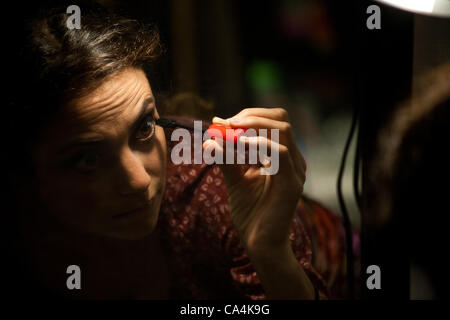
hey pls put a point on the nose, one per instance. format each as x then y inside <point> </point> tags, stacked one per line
<point>133,178</point>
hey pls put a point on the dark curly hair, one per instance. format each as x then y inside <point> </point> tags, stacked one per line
<point>47,65</point>
<point>52,64</point>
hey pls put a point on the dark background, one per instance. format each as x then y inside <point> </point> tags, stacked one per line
<point>317,59</point>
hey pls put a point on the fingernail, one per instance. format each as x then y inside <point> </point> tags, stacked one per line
<point>219,120</point>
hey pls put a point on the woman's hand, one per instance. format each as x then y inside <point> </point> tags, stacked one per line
<point>262,206</point>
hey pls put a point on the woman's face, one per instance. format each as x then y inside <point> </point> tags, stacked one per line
<point>101,164</point>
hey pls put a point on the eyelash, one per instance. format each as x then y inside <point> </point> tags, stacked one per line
<point>151,119</point>
<point>77,158</point>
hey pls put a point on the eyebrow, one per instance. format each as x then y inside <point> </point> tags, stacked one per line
<point>143,113</point>
<point>96,141</point>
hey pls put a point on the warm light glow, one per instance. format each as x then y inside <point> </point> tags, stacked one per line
<point>425,6</point>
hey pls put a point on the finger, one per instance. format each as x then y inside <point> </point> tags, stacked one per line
<point>256,122</point>
<point>279,160</point>
<point>279,114</point>
<point>297,164</point>
<point>280,165</point>
<point>285,176</point>
<point>286,136</point>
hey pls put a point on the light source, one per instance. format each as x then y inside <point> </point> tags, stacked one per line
<point>440,8</point>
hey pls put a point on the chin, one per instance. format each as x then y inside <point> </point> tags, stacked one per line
<point>137,229</point>
<point>133,227</point>
<point>135,234</point>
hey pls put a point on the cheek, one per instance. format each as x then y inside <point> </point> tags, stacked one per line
<point>156,161</point>
<point>70,200</point>
<point>86,202</point>
<point>62,195</point>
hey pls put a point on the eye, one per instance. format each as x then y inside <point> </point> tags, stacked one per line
<point>146,130</point>
<point>86,162</point>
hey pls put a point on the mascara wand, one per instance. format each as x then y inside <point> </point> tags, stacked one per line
<point>170,123</point>
<point>214,130</point>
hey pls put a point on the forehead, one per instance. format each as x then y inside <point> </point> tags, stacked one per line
<point>104,111</point>
<point>114,98</point>
<point>104,114</point>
